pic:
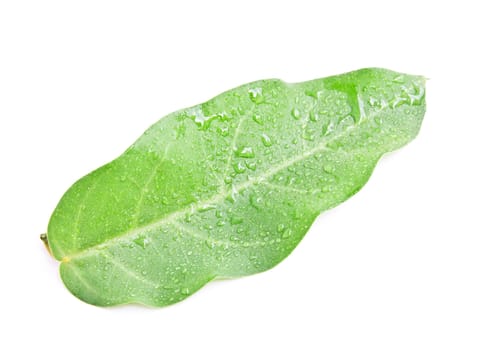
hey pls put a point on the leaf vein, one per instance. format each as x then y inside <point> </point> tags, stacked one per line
<point>76,230</point>
<point>132,273</point>
<point>146,185</point>
<point>233,145</point>
<point>82,280</point>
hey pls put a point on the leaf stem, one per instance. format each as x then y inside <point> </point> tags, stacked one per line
<point>44,239</point>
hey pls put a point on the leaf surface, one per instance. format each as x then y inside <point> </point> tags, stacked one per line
<point>229,187</point>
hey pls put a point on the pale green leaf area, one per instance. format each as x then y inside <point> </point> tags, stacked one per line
<point>227,188</point>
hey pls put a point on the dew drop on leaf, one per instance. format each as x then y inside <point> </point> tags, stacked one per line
<point>207,207</point>
<point>295,113</point>
<point>307,135</point>
<point>256,96</point>
<point>252,165</point>
<point>245,152</point>
<point>286,233</point>
<point>140,241</point>
<point>328,168</point>
<point>266,140</point>
<point>256,201</point>
<point>236,220</point>
<point>258,119</point>
<point>223,131</point>
<point>313,116</point>
<point>239,167</point>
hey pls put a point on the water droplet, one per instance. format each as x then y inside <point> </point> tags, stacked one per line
<point>202,121</point>
<point>223,131</point>
<point>189,252</point>
<point>185,291</point>
<point>266,140</point>
<point>329,128</point>
<point>281,228</point>
<point>397,101</point>
<point>245,152</point>
<point>298,214</point>
<point>232,197</point>
<point>311,93</point>
<point>206,207</point>
<point>255,94</point>
<point>399,79</point>
<point>286,234</point>
<point>307,135</point>
<point>413,94</point>
<point>141,241</point>
<point>346,122</point>
<point>228,180</point>
<point>236,220</point>
<point>256,201</point>
<point>144,273</point>
<point>296,114</point>
<point>258,119</point>
<point>373,102</point>
<point>313,116</point>
<point>239,167</point>
<point>251,165</point>
<point>328,168</point>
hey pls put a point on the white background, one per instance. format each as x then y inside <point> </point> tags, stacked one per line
<point>398,266</point>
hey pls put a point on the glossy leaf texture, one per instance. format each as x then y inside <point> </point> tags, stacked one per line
<point>229,187</point>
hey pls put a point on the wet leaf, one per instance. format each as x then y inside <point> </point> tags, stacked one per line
<point>227,188</point>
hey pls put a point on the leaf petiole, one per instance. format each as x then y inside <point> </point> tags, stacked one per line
<point>44,239</point>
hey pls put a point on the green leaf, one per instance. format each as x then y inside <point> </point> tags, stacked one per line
<point>227,188</point>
